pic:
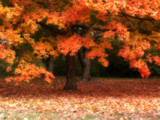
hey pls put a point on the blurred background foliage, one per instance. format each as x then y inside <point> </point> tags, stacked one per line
<point>117,68</point>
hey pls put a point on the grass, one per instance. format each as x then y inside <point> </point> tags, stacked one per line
<point>110,99</point>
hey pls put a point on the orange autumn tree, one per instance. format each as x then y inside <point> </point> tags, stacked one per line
<point>105,20</point>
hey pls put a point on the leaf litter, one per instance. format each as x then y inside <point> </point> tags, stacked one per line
<point>97,99</point>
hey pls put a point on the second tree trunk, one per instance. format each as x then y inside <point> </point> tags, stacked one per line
<point>85,64</point>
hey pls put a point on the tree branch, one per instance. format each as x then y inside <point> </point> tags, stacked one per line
<point>52,29</point>
<point>136,17</point>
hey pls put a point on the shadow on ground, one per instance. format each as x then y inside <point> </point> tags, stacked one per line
<point>98,87</point>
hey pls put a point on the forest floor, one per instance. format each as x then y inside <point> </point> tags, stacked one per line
<point>100,99</point>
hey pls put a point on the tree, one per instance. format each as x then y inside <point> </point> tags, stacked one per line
<point>82,55</point>
<point>105,20</point>
<point>70,73</point>
<point>85,64</point>
<point>49,63</point>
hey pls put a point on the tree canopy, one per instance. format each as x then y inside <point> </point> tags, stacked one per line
<point>134,23</point>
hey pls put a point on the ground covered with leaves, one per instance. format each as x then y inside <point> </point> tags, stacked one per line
<point>109,99</point>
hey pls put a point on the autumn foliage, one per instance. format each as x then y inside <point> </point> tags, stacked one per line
<point>133,22</point>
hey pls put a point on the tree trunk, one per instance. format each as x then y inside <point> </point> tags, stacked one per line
<point>85,64</point>
<point>49,63</point>
<point>50,66</point>
<point>70,71</point>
